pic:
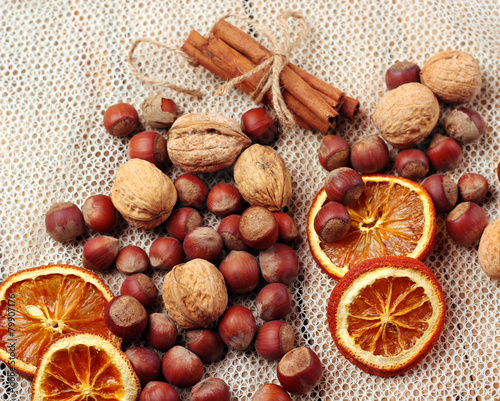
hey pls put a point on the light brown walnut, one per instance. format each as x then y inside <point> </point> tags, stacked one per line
<point>194,294</point>
<point>205,142</point>
<point>405,116</point>
<point>262,177</point>
<point>489,250</point>
<point>143,194</point>
<point>453,76</point>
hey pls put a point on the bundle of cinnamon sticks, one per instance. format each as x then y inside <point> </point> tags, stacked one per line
<point>230,52</point>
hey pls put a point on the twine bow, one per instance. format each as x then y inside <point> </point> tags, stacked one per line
<point>272,67</point>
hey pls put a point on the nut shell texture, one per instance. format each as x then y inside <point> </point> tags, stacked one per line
<point>489,250</point>
<point>453,76</point>
<point>195,294</point>
<point>205,142</point>
<point>142,194</point>
<point>262,177</point>
<point>405,116</point>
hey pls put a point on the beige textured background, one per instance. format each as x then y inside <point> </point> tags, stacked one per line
<point>62,63</point>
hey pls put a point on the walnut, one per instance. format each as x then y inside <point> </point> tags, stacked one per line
<point>489,250</point>
<point>195,294</point>
<point>405,116</point>
<point>453,76</point>
<point>205,142</point>
<point>262,177</point>
<point>143,194</point>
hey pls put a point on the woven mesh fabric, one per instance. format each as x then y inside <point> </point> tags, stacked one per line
<point>62,63</point>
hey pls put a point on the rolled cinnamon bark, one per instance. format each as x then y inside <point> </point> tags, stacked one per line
<point>350,108</point>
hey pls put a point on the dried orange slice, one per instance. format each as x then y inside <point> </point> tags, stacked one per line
<point>85,366</point>
<point>386,314</point>
<point>41,304</point>
<point>393,217</point>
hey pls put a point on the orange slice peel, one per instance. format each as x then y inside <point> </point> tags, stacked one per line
<point>386,314</point>
<point>84,366</point>
<point>393,217</point>
<point>41,304</point>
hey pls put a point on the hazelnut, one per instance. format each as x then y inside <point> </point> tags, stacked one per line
<point>472,187</point>
<point>142,194</point>
<point>464,124</point>
<point>181,367</point>
<point>444,153</point>
<point>195,294</point>
<point>99,253</point>
<point>125,317</point>
<point>489,250</point>
<point>64,221</point>
<point>159,391</point>
<point>161,331</point>
<point>121,119</point>
<point>230,233</point>
<point>205,343</point>
<point>260,125</point>
<point>333,152</point>
<point>274,339</point>
<point>224,199</point>
<point>466,223</point>
<point>369,154</point>
<point>299,371</point>
<point>159,112</point>
<point>149,146</point>
<point>100,214</point>
<point>332,222</point>
<point>165,253</point>
<point>401,72</point>
<point>279,264</point>
<point>271,392</point>
<point>203,243</point>
<point>182,221</point>
<point>258,227</point>
<point>453,76</point>
<point>237,327</point>
<point>142,288</point>
<point>405,116</point>
<point>273,302</point>
<point>241,271</point>
<point>132,259</point>
<point>412,164</point>
<point>191,191</point>
<point>344,185</point>
<point>146,363</point>
<point>443,192</point>
<point>210,389</point>
<point>287,229</point>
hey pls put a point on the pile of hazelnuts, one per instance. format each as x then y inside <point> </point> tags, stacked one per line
<point>465,221</point>
<point>249,243</point>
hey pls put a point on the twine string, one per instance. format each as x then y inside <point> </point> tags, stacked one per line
<point>156,81</point>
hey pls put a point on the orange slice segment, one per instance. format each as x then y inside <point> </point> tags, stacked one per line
<point>41,304</point>
<point>85,367</point>
<point>386,314</point>
<point>393,217</point>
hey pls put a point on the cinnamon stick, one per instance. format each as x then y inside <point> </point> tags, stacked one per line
<point>257,53</point>
<point>350,108</point>
<point>196,46</point>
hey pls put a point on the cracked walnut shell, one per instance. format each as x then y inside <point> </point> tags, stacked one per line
<point>205,142</point>
<point>262,177</point>
<point>195,294</point>
<point>453,76</point>
<point>142,194</point>
<point>405,116</point>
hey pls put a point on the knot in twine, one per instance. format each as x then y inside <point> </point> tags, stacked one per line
<point>272,67</point>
